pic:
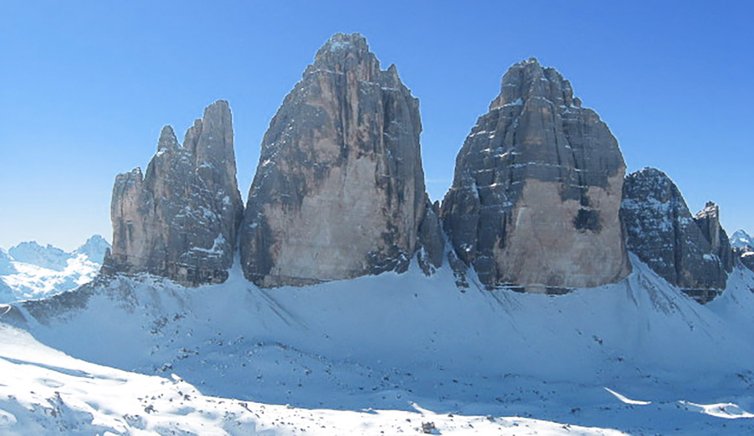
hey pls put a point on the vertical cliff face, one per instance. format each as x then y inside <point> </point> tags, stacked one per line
<point>691,253</point>
<point>339,190</point>
<point>180,219</point>
<point>708,220</point>
<point>537,189</point>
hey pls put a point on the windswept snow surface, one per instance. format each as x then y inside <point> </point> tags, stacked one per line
<point>379,354</point>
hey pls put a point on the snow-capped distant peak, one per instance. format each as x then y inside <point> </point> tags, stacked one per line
<point>741,239</point>
<point>31,270</point>
<point>48,257</point>
<point>94,249</point>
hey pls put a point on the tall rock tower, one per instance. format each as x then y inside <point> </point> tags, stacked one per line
<point>179,220</point>
<point>537,189</point>
<point>339,189</point>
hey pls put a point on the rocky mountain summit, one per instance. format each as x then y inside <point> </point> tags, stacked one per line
<point>339,189</point>
<point>690,252</point>
<point>95,248</point>
<point>179,220</point>
<point>741,240</point>
<point>743,248</point>
<point>48,257</point>
<point>537,189</point>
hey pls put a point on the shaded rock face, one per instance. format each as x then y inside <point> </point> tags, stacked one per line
<point>536,194</point>
<point>708,220</point>
<point>688,252</point>
<point>339,190</point>
<point>179,220</point>
<point>746,256</point>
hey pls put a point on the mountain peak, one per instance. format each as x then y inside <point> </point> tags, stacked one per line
<point>347,53</point>
<point>528,79</point>
<point>167,139</point>
<point>345,42</point>
<point>741,240</point>
<point>44,256</point>
<point>94,248</point>
<point>339,191</point>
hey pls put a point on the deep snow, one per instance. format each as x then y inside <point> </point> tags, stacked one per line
<point>365,355</point>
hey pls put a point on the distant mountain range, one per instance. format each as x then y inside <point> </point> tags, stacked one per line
<point>30,270</point>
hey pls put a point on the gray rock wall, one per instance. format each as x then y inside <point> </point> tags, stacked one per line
<point>339,189</point>
<point>179,220</point>
<point>661,231</point>
<point>708,220</point>
<point>537,189</point>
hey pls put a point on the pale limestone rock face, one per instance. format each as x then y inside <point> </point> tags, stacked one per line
<point>545,250</point>
<point>339,190</point>
<point>536,195</point>
<point>180,219</point>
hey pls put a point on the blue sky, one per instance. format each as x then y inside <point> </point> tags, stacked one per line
<point>85,86</point>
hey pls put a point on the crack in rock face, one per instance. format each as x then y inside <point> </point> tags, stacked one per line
<point>339,190</point>
<point>537,189</point>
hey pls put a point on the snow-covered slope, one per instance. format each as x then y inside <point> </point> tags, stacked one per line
<point>51,393</point>
<point>35,271</point>
<point>637,356</point>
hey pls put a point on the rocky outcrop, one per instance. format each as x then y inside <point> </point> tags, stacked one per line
<point>537,189</point>
<point>688,252</point>
<point>339,189</point>
<point>179,220</point>
<point>708,220</point>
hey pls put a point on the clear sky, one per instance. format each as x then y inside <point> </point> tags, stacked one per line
<point>85,86</point>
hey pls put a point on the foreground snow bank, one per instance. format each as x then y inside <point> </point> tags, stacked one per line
<point>43,391</point>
